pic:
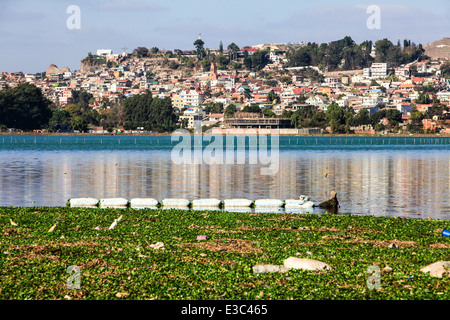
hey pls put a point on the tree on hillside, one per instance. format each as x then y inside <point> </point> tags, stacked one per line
<point>24,107</point>
<point>234,49</point>
<point>199,47</point>
<point>273,98</point>
<point>230,110</point>
<point>445,70</point>
<point>140,52</point>
<point>252,109</point>
<point>82,98</point>
<point>306,117</point>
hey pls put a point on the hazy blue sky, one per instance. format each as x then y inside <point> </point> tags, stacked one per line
<point>33,33</point>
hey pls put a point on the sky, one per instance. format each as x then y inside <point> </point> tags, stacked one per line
<point>37,33</point>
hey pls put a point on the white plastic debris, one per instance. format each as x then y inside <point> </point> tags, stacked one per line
<point>305,264</point>
<point>158,246</point>
<point>84,202</point>
<point>266,268</point>
<point>437,269</point>
<point>52,228</point>
<point>113,203</point>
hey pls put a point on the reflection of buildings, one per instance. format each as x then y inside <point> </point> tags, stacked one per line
<point>377,183</point>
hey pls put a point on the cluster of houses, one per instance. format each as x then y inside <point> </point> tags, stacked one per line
<point>367,88</point>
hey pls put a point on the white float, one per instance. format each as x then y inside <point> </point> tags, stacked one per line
<point>84,202</point>
<point>138,203</point>
<point>113,203</point>
<point>175,203</point>
<point>298,203</point>
<point>269,203</point>
<point>206,203</point>
<point>237,203</point>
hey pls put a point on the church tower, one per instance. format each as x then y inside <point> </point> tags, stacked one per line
<point>213,75</point>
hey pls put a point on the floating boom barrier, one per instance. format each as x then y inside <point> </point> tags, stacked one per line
<point>242,205</point>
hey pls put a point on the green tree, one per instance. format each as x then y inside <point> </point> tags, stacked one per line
<point>269,113</point>
<point>273,98</point>
<point>214,107</point>
<point>82,98</point>
<point>252,108</point>
<point>153,114</point>
<point>140,52</point>
<point>362,117</point>
<point>234,49</point>
<point>423,98</point>
<point>230,110</point>
<point>445,70</point>
<point>394,116</point>
<point>24,107</point>
<point>199,45</point>
<point>335,117</point>
<point>60,120</point>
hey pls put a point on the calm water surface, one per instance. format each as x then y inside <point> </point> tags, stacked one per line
<point>408,177</point>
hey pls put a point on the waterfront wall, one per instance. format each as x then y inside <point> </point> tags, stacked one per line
<point>244,131</point>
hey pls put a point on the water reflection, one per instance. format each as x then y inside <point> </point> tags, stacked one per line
<point>382,183</point>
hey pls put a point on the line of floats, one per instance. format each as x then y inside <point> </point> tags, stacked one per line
<point>302,204</point>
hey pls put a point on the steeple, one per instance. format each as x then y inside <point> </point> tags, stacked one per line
<point>213,75</point>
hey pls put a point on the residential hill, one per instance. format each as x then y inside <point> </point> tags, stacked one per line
<point>438,49</point>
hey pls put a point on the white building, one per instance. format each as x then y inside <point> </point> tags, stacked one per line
<point>104,52</point>
<point>192,97</point>
<point>194,117</point>
<point>376,71</point>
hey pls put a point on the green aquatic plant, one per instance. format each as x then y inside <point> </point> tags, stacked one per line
<point>122,263</point>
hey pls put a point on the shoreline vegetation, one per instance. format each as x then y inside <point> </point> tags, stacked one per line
<point>169,254</point>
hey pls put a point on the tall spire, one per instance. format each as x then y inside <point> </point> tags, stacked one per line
<point>200,36</point>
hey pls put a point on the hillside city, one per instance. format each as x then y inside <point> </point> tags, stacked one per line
<point>256,87</point>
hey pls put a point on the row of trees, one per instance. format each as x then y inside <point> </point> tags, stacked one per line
<point>345,54</point>
<point>25,107</point>
<point>256,61</point>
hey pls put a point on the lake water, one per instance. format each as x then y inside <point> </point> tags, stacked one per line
<point>381,176</point>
